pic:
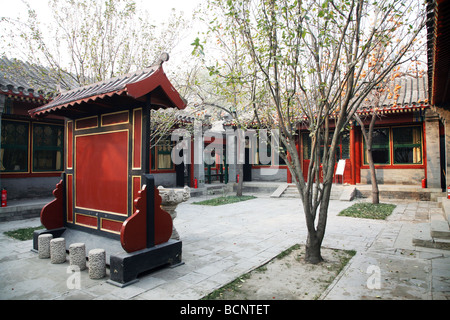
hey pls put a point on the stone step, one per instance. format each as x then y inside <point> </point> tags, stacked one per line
<point>436,196</point>
<point>279,191</point>
<point>348,193</point>
<point>23,209</point>
<point>413,193</point>
<point>292,192</point>
<point>439,227</point>
<point>423,238</point>
<point>445,205</point>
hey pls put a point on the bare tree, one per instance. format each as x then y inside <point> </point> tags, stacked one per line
<point>226,91</point>
<point>310,61</point>
<point>371,105</point>
<point>91,41</point>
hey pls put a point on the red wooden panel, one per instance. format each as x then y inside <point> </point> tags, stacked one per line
<point>101,174</point>
<point>137,138</point>
<point>69,197</point>
<point>115,118</point>
<point>111,225</point>
<point>69,146</point>
<point>91,122</point>
<point>136,186</point>
<point>86,220</point>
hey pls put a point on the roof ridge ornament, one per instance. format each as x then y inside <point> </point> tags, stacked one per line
<point>162,58</point>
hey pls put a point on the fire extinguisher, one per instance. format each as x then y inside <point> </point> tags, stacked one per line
<point>195,184</point>
<point>424,183</point>
<point>448,192</point>
<point>4,197</point>
<point>237,179</point>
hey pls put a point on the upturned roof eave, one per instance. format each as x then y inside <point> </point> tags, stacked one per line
<point>134,85</point>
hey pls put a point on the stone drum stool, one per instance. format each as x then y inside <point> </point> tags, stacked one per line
<point>58,250</point>
<point>44,245</point>
<point>97,263</point>
<point>77,255</point>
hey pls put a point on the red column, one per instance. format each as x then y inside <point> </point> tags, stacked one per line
<point>352,154</point>
<point>358,156</point>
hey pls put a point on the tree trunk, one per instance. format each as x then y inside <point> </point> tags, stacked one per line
<point>241,180</point>
<point>240,157</point>
<point>373,178</point>
<point>313,245</point>
<point>368,136</point>
<point>315,236</point>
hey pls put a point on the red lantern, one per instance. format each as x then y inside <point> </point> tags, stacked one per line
<point>4,197</point>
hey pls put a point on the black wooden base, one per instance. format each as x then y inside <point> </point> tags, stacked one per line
<point>125,268</point>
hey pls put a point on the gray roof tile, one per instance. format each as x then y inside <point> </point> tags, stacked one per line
<point>22,78</point>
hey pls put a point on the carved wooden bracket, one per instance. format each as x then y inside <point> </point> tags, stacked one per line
<point>149,225</point>
<point>52,214</point>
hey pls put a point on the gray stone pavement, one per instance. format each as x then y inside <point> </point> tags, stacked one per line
<point>222,243</point>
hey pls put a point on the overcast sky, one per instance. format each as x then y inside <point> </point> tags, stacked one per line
<point>15,8</point>
<point>159,11</point>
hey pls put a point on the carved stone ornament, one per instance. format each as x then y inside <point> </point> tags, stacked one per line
<point>171,198</point>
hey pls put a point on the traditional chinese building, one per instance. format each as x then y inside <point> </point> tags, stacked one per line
<point>31,152</point>
<point>407,142</point>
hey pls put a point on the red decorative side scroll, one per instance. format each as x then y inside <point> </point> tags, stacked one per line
<point>52,214</point>
<point>133,234</point>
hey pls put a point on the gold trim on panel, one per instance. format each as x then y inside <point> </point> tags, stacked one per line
<point>67,197</point>
<point>107,230</point>
<point>75,126</point>
<point>67,143</point>
<point>103,211</point>
<point>75,171</point>
<point>132,141</point>
<point>132,187</point>
<point>113,124</point>
<point>82,224</point>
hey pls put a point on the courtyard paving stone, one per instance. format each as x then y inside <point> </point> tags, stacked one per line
<point>222,243</point>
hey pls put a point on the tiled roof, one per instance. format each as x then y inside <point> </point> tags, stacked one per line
<point>108,87</point>
<point>406,93</point>
<point>134,85</point>
<point>20,78</point>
